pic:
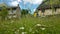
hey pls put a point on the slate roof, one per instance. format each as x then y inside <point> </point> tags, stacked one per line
<point>46,5</point>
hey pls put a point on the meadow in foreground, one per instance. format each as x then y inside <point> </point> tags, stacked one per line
<point>31,25</point>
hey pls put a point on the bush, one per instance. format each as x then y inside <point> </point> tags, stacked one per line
<point>4,13</point>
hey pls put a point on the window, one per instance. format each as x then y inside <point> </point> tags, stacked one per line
<point>43,10</point>
<point>0,8</point>
<point>13,8</point>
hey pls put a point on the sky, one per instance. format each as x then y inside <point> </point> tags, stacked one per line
<point>24,4</point>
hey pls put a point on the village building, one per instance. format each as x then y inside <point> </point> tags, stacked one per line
<point>13,11</point>
<point>45,9</point>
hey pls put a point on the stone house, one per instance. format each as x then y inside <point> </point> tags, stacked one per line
<point>13,11</point>
<point>45,9</point>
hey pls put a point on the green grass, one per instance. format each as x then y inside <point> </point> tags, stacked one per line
<point>29,25</point>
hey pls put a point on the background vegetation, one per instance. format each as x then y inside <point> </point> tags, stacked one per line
<point>3,13</point>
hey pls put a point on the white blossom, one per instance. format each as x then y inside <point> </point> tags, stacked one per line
<point>24,32</point>
<point>14,16</point>
<point>43,28</point>
<point>38,25</point>
<point>30,30</point>
<point>21,28</point>
<point>12,21</point>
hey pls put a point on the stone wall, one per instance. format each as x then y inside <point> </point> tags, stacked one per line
<point>12,13</point>
<point>39,13</point>
<point>49,12</point>
<point>58,11</point>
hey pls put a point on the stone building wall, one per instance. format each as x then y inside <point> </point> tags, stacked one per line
<point>39,13</point>
<point>15,13</point>
<point>49,12</point>
<point>58,11</point>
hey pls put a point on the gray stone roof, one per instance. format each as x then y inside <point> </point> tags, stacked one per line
<point>46,5</point>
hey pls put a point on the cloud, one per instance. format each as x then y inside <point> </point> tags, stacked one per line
<point>19,1</point>
<point>33,1</point>
<point>14,3</point>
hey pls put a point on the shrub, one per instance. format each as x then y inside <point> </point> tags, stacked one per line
<point>4,13</point>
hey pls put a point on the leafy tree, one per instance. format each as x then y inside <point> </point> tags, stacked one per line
<point>24,11</point>
<point>4,13</point>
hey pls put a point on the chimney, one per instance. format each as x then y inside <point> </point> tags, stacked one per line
<point>18,12</point>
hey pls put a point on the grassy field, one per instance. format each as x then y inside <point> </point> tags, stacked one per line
<point>31,25</point>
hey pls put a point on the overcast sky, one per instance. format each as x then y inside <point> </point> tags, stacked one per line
<point>24,4</point>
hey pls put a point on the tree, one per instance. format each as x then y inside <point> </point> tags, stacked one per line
<point>4,13</point>
<point>24,12</point>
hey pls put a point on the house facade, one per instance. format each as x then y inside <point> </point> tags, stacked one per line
<point>45,9</point>
<point>13,12</point>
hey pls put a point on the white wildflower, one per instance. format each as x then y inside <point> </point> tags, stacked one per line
<point>18,30</point>
<point>15,32</point>
<point>5,18</point>
<point>43,28</point>
<point>37,31</point>
<point>9,17</point>
<point>30,30</point>
<point>38,25</point>
<point>14,16</point>
<point>24,32</point>
<point>12,21</point>
<point>33,32</point>
<point>21,28</point>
